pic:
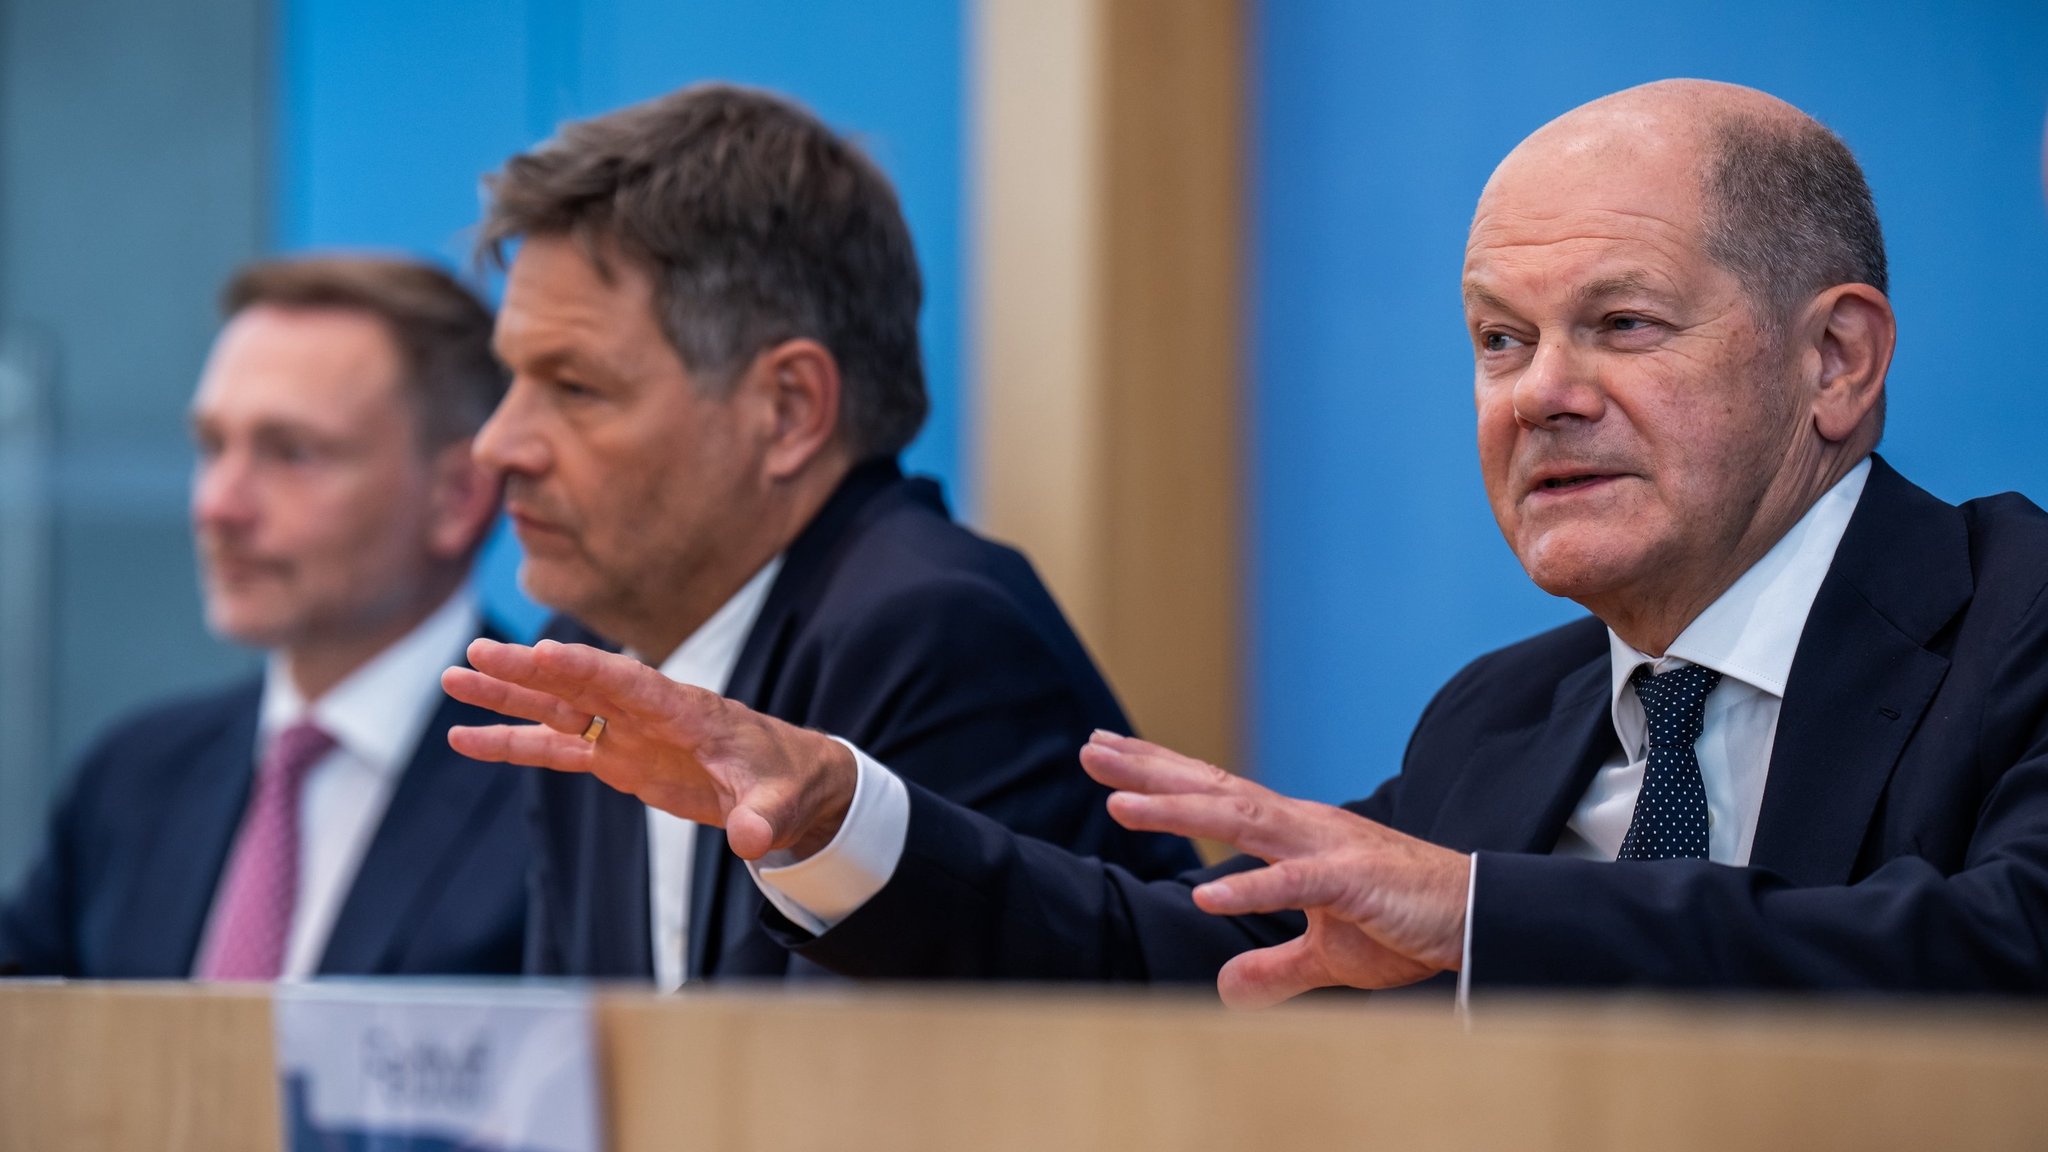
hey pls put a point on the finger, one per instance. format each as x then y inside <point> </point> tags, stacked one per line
<point>473,687</point>
<point>496,658</point>
<point>1290,884</point>
<point>572,679</point>
<point>616,685</point>
<point>1268,976</point>
<point>1134,766</point>
<point>1266,825</point>
<point>527,744</point>
<point>1138,746</point>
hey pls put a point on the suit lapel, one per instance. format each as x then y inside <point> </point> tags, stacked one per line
<point>715,876</point>
<point>424,830</point>
<point>174,894</point>
<point>1861,679</point>
<point>1520,787</point>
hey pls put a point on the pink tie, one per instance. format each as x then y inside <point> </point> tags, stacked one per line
<point>253,915</point>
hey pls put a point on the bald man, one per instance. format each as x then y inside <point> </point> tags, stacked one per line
<point>1801,740</point>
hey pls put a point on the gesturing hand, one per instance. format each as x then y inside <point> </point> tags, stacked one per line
<point>1384,908</point>
<point>683,750</point>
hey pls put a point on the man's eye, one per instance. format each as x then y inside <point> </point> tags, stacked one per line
<point>1497,341</point>
<point>1627,323</point>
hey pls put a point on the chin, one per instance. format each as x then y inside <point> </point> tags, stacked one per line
<point>564,589</point>
<point>1577,570</point>
<point>247,628</point>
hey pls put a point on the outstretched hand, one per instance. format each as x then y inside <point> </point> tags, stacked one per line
<point>683,750</point>
<point>1384,909</point>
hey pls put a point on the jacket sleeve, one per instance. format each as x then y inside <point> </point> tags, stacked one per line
<point>971,899</point>
<point>955,688</point>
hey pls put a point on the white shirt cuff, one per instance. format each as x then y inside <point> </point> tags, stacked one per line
<point>818,892</point>
<point>1465,961</point>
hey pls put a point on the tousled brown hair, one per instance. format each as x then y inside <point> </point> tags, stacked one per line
<point>441,328</point>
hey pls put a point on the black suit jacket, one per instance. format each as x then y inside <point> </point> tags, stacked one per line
<point>1902,842</point>
<point>933,650</point>
<point>141,837</point>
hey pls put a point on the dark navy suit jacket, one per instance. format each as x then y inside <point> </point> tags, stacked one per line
<point>1902,842</point>
<point>139,842</point>
<point>933,650</point>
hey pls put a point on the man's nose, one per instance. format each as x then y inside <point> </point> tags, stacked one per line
<point>509,443</point>
<point>1559,385</point>
<point>223,492</point>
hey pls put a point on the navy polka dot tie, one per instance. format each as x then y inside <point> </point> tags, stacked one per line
<point>1671,813</point>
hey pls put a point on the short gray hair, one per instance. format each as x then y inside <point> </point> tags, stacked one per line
<point>1789,213</point>
<point>757,224</point>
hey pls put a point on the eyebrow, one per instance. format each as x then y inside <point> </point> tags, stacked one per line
<point>1632,282</point>
<point>567,360</point>
<point>1474,294</point>
<point>1629,283</point>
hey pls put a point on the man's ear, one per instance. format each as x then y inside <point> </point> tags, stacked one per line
<point>1850,331</point>
<point>800,380</point>
<point>464,500</point>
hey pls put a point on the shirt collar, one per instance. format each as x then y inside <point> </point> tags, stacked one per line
<point>707,658</point>
<point>378,711</point>
<point>1751,632</point>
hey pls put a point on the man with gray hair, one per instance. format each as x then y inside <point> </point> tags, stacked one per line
<point>1800,742</point>
<point>711,321</point>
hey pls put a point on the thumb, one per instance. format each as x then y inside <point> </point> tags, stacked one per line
<point>1267,976</point>
<point>765,817</point>
<point>749,833</point>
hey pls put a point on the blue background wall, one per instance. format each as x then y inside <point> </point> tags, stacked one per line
<point>1376,568</point>
<point>1377,571</point>
<point>391,111</point>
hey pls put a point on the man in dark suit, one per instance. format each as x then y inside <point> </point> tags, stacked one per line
<point>711,320</point>
<point>312,820</point>
<point>1802,743</point>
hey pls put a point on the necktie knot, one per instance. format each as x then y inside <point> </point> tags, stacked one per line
<point>293,752</point>
<point>1675,703</point>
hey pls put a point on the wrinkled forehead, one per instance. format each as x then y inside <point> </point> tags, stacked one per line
<point>1619,183</point>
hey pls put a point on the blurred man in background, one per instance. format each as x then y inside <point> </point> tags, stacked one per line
<point>711,322</point>
<point>311,820</point>
<point>1801,741</point>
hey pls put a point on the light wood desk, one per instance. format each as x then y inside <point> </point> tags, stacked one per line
<point>173,1067</point>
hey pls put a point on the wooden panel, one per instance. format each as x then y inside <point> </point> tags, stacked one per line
<point>172,1067</point>
<point>1109,295</point>
<point>138,1067</point>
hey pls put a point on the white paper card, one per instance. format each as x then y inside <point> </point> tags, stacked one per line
<point>380,1067</point>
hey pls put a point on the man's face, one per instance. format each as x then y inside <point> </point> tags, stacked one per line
<point>624,477</point>
<point>1632,414</point>
<point>312,503</point>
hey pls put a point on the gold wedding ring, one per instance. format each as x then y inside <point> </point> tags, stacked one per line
<point>593,730</point>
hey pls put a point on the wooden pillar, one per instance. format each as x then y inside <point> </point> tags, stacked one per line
<point>1108,295</point>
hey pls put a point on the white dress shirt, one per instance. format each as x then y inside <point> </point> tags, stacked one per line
<point>1749,634</point>
<point>706,661</point>
<point>376,716</point>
